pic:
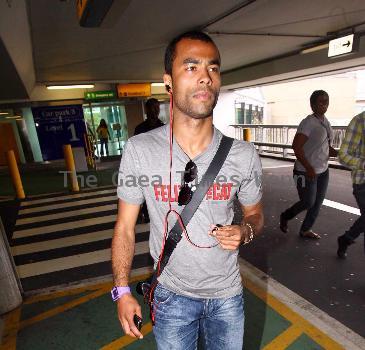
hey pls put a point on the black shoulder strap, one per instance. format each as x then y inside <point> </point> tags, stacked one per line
<point>175,234</point>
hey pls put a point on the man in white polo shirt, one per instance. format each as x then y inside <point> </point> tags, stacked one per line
<point>312,147</point>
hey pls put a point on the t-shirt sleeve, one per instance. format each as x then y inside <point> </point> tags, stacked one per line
<point>304,127</point>
<point>129,189</point>
<point>250,190</point>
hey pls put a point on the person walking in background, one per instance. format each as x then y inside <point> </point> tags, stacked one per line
<point>352,155</point>
<point>312,147</point>
<point>152,122</point>
<point>103,134</point>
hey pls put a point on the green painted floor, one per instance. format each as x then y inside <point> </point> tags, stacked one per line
<point>85,320</point>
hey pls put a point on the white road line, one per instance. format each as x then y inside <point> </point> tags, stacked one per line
<point>69,262</point>
<point>66,226</point>
<point>341,207</point>
<point>79,195</point>
<point>67,205</point>
<point>66,214</point>
<point>61,243</point>
<point>42,195</point>
<point>69,241</point>
<point>85,189</point>
<point>328,325</point>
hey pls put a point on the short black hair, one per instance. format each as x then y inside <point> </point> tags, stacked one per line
<point>170,52</point>
<point>316,94</point>
<point>151,102</point>
<point>152,108</point>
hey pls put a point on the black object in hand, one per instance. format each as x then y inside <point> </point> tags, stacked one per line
<point>137,321</point>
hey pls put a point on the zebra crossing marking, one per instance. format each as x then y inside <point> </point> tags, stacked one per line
<point>37,219</point>
<point>64,226</point>
<point>69,241</point>
<point>81,220</point>
<point>54,265</point>
<point>70,196</point>
<point>66,205</point>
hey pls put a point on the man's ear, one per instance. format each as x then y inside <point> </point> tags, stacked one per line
<point>168,82</point>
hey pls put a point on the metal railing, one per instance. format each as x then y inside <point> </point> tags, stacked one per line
<point>279,137</point>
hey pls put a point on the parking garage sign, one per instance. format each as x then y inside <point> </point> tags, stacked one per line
<point>58,126</point>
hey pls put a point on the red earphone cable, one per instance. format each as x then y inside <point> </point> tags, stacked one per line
<point>169,197</point>
<point>168,213</point>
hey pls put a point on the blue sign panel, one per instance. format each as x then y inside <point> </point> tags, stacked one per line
<point>58,126</point>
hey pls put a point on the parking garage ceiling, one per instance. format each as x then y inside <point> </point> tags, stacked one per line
<point>130,43</point>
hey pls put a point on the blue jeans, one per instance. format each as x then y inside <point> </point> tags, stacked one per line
<point>180,321</point>
<point>311,195</point>
<point>104,143</point>
<point>359,225</point>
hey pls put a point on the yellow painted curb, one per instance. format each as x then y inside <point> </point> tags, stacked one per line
<point>299,322</point>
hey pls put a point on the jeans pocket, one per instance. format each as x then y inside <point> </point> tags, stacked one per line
<point>162,295</point>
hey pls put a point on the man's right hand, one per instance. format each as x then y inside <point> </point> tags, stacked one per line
<point>127,307</point>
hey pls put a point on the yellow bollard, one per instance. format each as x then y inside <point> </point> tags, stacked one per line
<point>15,175</point>
<point>89,150</point>
<point>88,157</point>
<point>247,134</point>
<point>70,166</point>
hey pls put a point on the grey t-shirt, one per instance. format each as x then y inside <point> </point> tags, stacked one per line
<point>144,175</point>
<point>316,149</point>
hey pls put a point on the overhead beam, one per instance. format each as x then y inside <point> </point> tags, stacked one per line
<point>11,85</point>
<point>293,66</point>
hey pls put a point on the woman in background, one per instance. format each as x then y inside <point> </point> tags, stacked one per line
<point>103,134</point>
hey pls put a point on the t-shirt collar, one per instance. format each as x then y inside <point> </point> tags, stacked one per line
<point>212,147</point>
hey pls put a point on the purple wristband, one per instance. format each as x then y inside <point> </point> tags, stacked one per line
<point>118,292</point>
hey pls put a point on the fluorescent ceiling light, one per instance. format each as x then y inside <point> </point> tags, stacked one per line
<point>157,84</point>
<point>314,48</point>
<point>64,87</point>
<point>4,113</point>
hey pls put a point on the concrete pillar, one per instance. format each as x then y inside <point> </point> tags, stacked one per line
<point>10,296</point>
<point>134,114</point>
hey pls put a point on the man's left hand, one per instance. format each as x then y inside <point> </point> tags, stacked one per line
<point>230,237</point>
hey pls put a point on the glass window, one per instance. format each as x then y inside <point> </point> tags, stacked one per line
<point>116,120</point>
<point>240,113</point>
<point>247,113</point>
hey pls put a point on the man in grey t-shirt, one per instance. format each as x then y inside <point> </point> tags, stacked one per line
<point>312,147</point>
<point>200,290</point>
